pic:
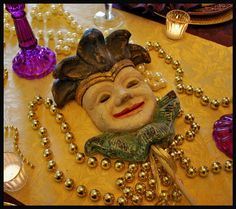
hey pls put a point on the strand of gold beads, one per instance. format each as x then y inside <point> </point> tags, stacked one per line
<point>11,131</point>
<point>185,162</point>
<point>144,188</point>
<point>179,74</point>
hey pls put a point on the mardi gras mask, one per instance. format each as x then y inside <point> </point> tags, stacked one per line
<point>103,79</point>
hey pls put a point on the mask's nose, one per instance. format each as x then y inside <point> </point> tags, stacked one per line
<point>122,96</point>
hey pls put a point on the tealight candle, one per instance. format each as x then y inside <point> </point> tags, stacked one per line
<point>14,173</point>
<point>176,23</point>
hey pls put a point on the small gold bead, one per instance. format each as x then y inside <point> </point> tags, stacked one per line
<point>203,171</point>
<point>58,176</point>
<point>81,191</point>
<point>176,195</point>
<point>179,72</point>
<point>205,100</point>
<point>122,201</point>
<point>47,154</point>
<point>59,117</point>
<point>105,163</point>
<point>195,127</point>
<point>136,199</point>
<point>92,162</point>
<point>51,165</point>
<point>140,188</point>
<point>32,106</point>
<point>168,59</point>
<point>146,166</point>
<point>185,162</point>
<point>198,92</point>
<point>191,172</point>
<point>69,184</point>
<point>148,45</point>
<point>45,142</point>
<point>127,191</point>
<point>180,88</point>
<point>73,148</point>
<point>214,104</point>
<point>32,115</point>
<point>119,165</point>
<point>132,167</point>
<point>152,183</point>
<point>179,139</point>
<point>189,89</point>
<point>166,180</point>
<point>35,124</point>
<point>178,80</point>
<point>228,165</point>
<point>43,132</point>
<point>120,182</point>
<point>128,176</point>
<point>175,64</point>
<point>80,157</point>
<point>189,135</point>
<point>150,195</point>
<point>65,127</point>
<point>156,46</point>
<point>94,195</point>
<point>108,199</point>
<point>48,102</point>
<point>188,118</point>
<point>69,137</point>
<point>143,175</point>
<point>161,53</point>
<point>225,102</point>
<point>164,195</point>
<point>53,109</point>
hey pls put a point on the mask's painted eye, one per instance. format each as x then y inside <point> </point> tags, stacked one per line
<point>132,83</point>
<point>104,98</point>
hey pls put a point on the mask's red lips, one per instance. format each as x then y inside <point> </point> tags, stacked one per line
<point>128,110</point>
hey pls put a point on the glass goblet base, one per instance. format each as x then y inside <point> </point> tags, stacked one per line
<point>34,63</point>
<point>114,20</point>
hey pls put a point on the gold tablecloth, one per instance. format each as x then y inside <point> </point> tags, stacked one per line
<point>206,64</point>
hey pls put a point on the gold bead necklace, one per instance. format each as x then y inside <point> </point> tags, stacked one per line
<point>179,74</point>
<point>145,188</point>
<point>12,132</point>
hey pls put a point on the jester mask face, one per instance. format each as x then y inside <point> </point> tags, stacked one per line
<point>102,79</point>
<point>126,104</point>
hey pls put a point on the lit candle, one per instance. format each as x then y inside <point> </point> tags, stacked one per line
<point>176,23</point>
<point>10,172</point>
<point>14,173</point>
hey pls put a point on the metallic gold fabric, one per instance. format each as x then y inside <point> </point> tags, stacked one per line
<point>206,64</point>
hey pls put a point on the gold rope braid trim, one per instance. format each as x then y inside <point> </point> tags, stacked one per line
<point>99,77</point>
<point>169,165</point>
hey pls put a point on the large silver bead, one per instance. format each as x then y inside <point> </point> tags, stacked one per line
<point>108,199</point>
<point>58,176</point>
<point>105,163</point>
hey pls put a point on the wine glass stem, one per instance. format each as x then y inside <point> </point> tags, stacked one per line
<point>108,11</point>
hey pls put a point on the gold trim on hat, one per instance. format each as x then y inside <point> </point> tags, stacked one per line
<point>99,77</point>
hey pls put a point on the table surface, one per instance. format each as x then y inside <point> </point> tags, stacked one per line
<point>207,65</point>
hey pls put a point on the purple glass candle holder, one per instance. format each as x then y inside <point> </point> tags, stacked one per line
<point>32,61</point>
<point>223,133</point>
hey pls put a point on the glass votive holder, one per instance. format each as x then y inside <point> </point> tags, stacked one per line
<point>15,176</point>
<point>176,23</point>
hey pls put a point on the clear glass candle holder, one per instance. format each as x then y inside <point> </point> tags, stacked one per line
<point>15,176</point>
<point>176,23</point>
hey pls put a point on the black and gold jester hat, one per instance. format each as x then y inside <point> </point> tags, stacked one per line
<point>97,59</point>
